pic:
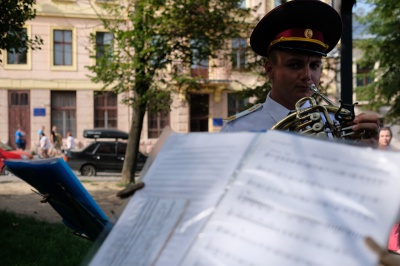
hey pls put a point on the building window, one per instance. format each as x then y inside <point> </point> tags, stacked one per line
<point>239,47</point>
<point>156,123</point>
<point>104,40</point>
<point>19,99</point>
<point>236,105</point>
<point>63,111</point>
<point>363,79</point>
<point>63,47</point>
<point>18,56</point>
<point>363,75</point>
<point>105,110</point>
<point>199,66</point>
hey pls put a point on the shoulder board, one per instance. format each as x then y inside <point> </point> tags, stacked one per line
<point>245,112</point>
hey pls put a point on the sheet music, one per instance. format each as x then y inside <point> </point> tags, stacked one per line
<point>257,199</point>
<point>182,187</point>
<point>293,204</point>
<point>142,232</point>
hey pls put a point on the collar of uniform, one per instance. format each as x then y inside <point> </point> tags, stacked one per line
<point>278,111</point>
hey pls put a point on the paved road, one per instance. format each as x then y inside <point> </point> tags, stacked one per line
<point>100,177</point>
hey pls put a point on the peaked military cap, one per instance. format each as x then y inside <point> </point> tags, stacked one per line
<point>304,25</point>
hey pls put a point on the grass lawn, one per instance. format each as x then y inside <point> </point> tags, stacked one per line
<point>27,241</point>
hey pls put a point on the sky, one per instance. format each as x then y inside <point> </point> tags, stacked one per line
<point>360,9</point>
<point>361,5</point>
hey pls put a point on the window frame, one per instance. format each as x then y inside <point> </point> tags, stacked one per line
<point>55,107</point>
<point>96,43</point>
<point>73,66</point>
<point>105,108</point>
<point>198,67</point>
<point>238,52</point>
<point>239,106</point>
<point>362,74</point>
<point>28,65</point>
<point>19,98</point>
<point>158,129</point>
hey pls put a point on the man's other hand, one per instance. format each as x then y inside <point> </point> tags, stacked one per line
<point>368,122</point>
<point>385,258</point>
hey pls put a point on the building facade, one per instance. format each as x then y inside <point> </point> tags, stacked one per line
<point>51,86</point>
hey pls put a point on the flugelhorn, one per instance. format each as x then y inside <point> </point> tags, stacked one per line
<point>323,120</point>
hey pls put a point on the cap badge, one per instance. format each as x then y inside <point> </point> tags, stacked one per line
<point>308,33</point>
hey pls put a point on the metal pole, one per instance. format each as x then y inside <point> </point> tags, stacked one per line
<point>346,62</point>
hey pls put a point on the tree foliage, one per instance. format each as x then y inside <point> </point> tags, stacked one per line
<point>13,15</point>
<point>383,51</point>
<point>155,44</point>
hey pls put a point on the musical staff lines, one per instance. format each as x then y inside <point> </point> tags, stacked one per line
<point>267,249</point>
<point>323,169</point>
<point>360,197</point>
<point>308,200</point>
<point>252,202</point>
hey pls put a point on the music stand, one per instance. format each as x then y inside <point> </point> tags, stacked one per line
<point>59,186</point>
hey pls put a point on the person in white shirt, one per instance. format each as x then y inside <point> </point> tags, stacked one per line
<point>70,141</point>
<point>44,146</point>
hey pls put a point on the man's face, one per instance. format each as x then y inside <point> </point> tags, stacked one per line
<point>384,138</point>
<point>291,76</point>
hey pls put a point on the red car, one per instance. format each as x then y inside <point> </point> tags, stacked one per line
<point>7,152</point>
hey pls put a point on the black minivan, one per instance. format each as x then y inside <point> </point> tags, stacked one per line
<point>101,156</point>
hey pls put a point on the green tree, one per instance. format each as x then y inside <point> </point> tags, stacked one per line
<point>383,50</point>
<point>155,43</point>
<point>13,15</point>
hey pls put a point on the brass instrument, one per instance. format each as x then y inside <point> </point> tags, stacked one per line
<point>322,120</point>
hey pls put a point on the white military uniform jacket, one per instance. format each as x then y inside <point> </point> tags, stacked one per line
<point>260,117</point>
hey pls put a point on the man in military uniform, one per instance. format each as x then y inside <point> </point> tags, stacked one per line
<point>293,37</point>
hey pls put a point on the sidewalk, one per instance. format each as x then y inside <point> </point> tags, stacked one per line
<point>100,177</point>
<point>106,177</point>
<point>18,196</point>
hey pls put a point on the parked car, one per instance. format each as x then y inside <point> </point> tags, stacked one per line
<point>101,156</point>
<point>6,152</point>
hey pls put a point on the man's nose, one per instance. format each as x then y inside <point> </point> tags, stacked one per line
<point>306,73</point>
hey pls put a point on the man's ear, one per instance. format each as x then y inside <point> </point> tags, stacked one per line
<point>268,69</point>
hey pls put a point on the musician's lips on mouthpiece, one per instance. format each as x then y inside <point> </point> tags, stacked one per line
<point>303,89</point>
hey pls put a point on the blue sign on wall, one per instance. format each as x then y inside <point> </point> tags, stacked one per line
<point>217,122</point>
<point>39,111</point>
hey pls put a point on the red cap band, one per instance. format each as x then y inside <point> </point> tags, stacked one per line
<point>300,35</point>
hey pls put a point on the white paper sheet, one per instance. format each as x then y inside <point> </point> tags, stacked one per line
<point>293,204</point>
<point>257,199</point>
<point>189,174</point>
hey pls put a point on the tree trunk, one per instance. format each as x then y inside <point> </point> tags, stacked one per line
<point>129,168</point>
